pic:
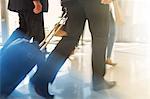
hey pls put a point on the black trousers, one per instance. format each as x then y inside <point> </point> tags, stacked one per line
<point>98,17</point>
<point>32,24</point>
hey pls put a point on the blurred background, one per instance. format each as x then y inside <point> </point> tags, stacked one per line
<point>131,53</point>
<point>135,29</point>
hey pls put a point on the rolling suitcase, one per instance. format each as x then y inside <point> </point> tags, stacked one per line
<point>17,60</point>
<point>18,56</point>
<point>15,35</point>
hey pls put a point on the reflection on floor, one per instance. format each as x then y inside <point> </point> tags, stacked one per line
<point>74,79</point>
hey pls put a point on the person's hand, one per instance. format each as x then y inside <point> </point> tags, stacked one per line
<point>37,6</point>
<point>106,1</point>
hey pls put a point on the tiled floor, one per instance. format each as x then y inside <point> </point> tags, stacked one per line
<point>74,79</point>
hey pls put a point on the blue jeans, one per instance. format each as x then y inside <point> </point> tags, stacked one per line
<point>111,36</point>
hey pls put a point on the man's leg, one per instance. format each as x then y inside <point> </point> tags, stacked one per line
<point>56,59</point>
<point>37,27</point>
<point>97,15</point>
<point>32,24</point>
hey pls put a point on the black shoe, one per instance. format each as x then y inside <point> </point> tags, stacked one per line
<point>43,93</point>
<point>41,89</point>
<point>104,85</point>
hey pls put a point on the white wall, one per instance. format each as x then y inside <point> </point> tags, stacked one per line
<point>136,28</point>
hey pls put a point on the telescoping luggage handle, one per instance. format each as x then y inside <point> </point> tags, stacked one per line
<point>52,33</point>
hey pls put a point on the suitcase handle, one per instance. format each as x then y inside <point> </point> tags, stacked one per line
<point>52,33</point>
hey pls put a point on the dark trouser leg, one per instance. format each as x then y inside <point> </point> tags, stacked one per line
<point>38,27</point>
<point>54,62</point>
<point>74,28</point>
<point>56,59</point>
<point>32,24</point>
<point>97,15</point>
<point>22,22</point>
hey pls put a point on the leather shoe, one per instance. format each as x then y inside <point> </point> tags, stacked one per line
<point>43,93</point>
<point>41,89</point>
